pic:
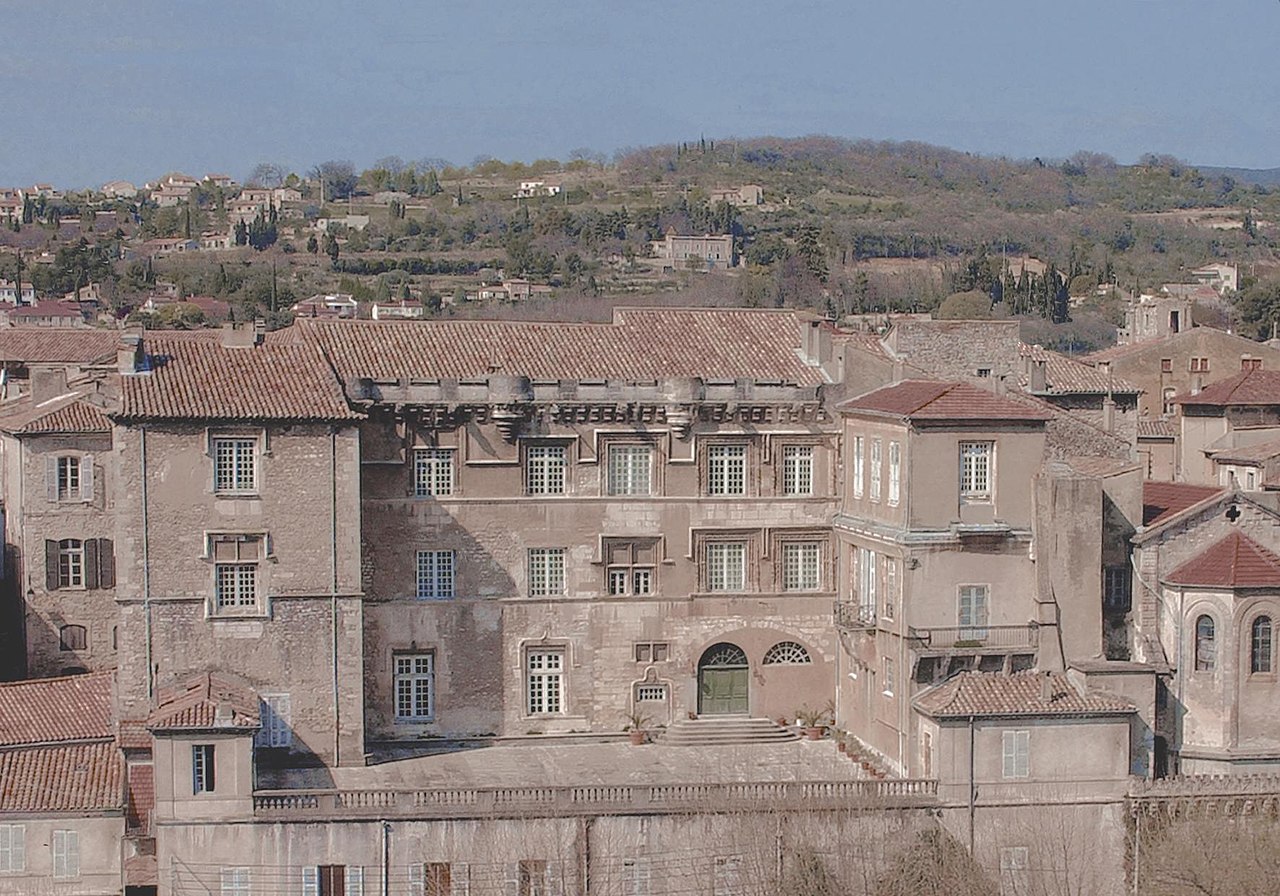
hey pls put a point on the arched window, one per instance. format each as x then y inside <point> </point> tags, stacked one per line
<point>1260,645</point>
<point>786,653</point>
<point>1206,645</point>
<point>73,637</point>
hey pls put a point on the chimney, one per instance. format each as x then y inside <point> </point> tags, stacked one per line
<point>243,335</point>
<point>1036,378</point>
<point>1046,687</point>
<point>223,714</point>
<point>48,383</point>
<point>130,357</point>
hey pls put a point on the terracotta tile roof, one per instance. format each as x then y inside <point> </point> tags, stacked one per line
<point>1249,387</point>
<point>211,701</point>
<point>194,377</point>
<point>1162,500</point>
<point>68,413</point>
<point>142,797</point>
<point>42,345</point>
<point>935,400</point>
<point>1018,694</point>
<point>134,735</point>
<point>1236,561</point>
<point>1157,429</point>
<point>1067,376</point>
<point>1090,465</point>
<point>868,342</point>
<point>1116,352</point>
<point>713,343</point>
<point>53,710</point>
<point>45,309</point>
<point>1249,454</point>
<point>74,778</point>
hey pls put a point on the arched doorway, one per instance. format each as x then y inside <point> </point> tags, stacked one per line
<point>723,678</point>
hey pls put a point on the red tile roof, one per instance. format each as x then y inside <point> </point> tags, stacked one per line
<point>1249,454</point>
<point>53,710</point>
<point>714,343</point>
<point>1249,387</point>
<point>75,778</point>
<point>935,400</point>
<point>142,797</point>
<point>1162,500</point>
<point>64,414</point>
<point>1236,561</point>
<point>40,345</point>
<point>194,377</point>
<point>1156,429</point>
<point>1018,694</point>
<point>211,701</point>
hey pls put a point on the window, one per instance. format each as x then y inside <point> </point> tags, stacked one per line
<point>895,473</point>
<point>435,574</point>
<point>726,566</point>
<point>975,471</point>
<point>1166,365</point>
<point>973,612</point>
<point>202,767</point>
<point>544,681</point>
<point>69,478</point>
<point>235,572</point>
<point>13,848</point>
<point>432,472</point>
<point>73,637</point>
<point>797,470</point>
<point>890,676</point>
<point>1017,754</point>
<point>637,878</point>
<point>1247,363</point>
<point>1167,403</point>
<point>857,466</point>
<point>651,693</point>
<point>544,468</point>
<point>1013,867</point>
<point>652,651</point>
<point>1116,584</point>
<point>276,713</point>
<point>801,566</point>
<point>1250,480</point>
<point>235,465</point>
<point>890,587</point>
<point>66,854</point>
<point>868,576</point>
<point>235,882</point>
<point>984,372</point>
<point>1260,646</point>
<point>630,469</point>
<point>875,469</point>
<point>415,676</point>
<point>546,571</point>
<point>631,567</point>
<point>786,653</point>
<point>1206,649</point>
<point>333,880</point>
<point>440,879</point>
<point>531,878</point>
<point>79,563</point>
<point>71,563</point>
<point>726,877</point>
<point>1199,365</point>
<point>727,470</point>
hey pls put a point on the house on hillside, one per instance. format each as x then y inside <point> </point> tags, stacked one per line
<point>709,250</point>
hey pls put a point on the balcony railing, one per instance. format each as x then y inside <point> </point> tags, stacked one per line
<point>985,637</point>
<point>854,616</point>
<point>602,799</point>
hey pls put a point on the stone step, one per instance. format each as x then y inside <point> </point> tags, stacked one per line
<point>725,730</point>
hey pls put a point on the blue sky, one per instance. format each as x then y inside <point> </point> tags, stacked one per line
<point>92,91</point>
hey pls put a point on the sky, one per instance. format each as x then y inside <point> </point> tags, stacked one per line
<point>131,89</point>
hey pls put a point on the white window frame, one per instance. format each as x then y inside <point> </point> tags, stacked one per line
<point>414,686</point>
<point>890,676</point>
<point>797,470</point>
<point>71,478</point>
<point>868,575</point>
<point>802,566</point>
<point>977,472</point>
<point>436,574</point>
<point>726,566</point>
<point>727,470</point>
<point>544,681</point>
<point>973,611</point>
<point>895,473</point>
<point>1015,754</point>
<point>858,465</point>
<point>13,848</point>
<point>726,878</point>
<point>235,465</point>
<point>276,712</point>
<point>71,563</point>
<point>235,882</point>
<point>66,854</point>
<point>545,469</point>
<point>546,572</point>
<point>890,587</point>
<point>629,469</point>
<point>637,876</point>
<point>433,472</point>
<point>877,457</point>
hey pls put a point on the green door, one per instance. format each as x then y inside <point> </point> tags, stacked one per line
<point>723,678</point>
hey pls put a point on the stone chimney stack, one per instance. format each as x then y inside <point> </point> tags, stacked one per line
<point>130,355</point>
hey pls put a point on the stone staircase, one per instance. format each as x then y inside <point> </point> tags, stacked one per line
<point>716,730</point>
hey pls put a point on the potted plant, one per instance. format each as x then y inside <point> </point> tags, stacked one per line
<point>636,723</point>
<point>814,721</point>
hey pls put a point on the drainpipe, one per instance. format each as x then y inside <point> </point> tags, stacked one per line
<point>973,790</point>
<point>333,592</point>
<point>146,567</point>
<point>386,857</point>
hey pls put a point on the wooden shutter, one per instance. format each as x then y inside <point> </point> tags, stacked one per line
<point>86,478</point>
<point>51,477</point>
<point>90,563</point>
<point>50,564</point>
<point>355,881</point>
<point>106,563</point>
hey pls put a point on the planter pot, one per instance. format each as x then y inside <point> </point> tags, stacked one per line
<point>637,737</point>
<point>813,733</point>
